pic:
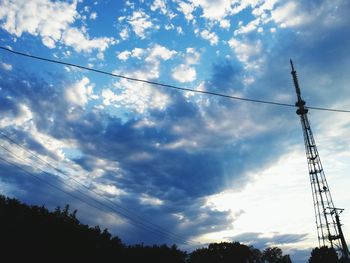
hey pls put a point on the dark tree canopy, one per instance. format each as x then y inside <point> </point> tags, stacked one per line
<point>227,252</point>
<point>224,252</point>
<point>275,255</point>
<point>34,234</point>
<point>323,255</point>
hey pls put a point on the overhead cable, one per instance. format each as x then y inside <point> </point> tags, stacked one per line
<point>167,85</point>
<point>149,227</point>
<point>126,212</point>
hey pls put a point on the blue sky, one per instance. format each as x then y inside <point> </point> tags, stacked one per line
<point>206,168</point>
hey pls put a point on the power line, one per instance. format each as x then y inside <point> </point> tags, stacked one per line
<point>46,182</point>
<point>150,227</point>
<point>125,217</point>
<point>91,190</point>
<point>168,85</point>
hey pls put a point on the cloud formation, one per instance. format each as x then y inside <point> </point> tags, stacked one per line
<point>140,22</point>
<point>193,163</point>
<point>52,21</point>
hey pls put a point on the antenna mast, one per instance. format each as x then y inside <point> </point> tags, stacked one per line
<point>328,224</point>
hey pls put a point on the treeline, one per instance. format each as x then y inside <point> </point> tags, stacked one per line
<point>34,234</point>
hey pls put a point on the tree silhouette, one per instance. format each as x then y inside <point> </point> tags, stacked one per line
<point>272,255</point>
<point>323,255</point>
<point>275,255</point>
<point>34,234</point>
<point>226,252</point>
<point>286,259</point>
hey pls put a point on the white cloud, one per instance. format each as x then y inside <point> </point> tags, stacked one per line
<point>152,54</point>
<point>56,157</point>
<point>184,144</point>
<point>49,42</point>
<point>52,145</point>
<point>124,34</point>
<point>150,200</point>
<point>225,23</point>
<point>80,42</point>
<point>49,20</point>
<point>124,55</point>
<point>159,4</point>
<point>93,16</point>
<point>145,123</point>
<point>210,36</point>
<point>192,56</point>
<point>186,9</point>
<point>25,119</point>
<point>217,10</point>
<point>87,8</point>
<point>265,186</point>
<point>130,4</point>
<point>37,17</point>
<point>243,5</point>
<point>296,14</point>
<point>179,30</point>
<point>108,97</point>
<point>184,73</point>
<point>24,115</point>
<point>135,53</point>
<point>189,94</point>
<point>136,96</point>
<point>80,92</point>
<point>266,5</point>
<point>160,52</point>
<point>220,11</point>
<point>245,51</point>
<point>6,66</point>
<point>140,22</point>
<point>251,26</point>
<point>152,57</point>
<point>169,26</point>
<point>248,80</point>
<point>285,14</point>
<point>139,96</point>
<point>214,11</point>
<point>267,193</point>
<point>290,15</point>
<point>109,189</point>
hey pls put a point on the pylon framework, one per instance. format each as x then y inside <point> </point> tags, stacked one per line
<point>328,224</point>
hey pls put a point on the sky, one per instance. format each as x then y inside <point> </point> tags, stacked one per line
<point>157,165</point>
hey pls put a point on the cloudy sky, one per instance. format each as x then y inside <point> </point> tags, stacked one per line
<point>155,165</point>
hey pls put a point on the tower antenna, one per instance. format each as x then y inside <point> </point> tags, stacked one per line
<point>328,224</point>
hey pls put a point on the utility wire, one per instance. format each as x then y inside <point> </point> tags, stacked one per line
<point>167,85</point>
<point>124,216</point>
<point>91,190</point>
<point>148,226</point>
<point>46,182</point>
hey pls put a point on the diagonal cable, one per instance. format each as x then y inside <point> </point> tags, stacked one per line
<point>126,212</point>
<point>124,216</point>
<point>168,85</point>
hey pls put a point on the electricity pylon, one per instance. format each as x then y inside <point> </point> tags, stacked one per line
<point>328,224</point>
